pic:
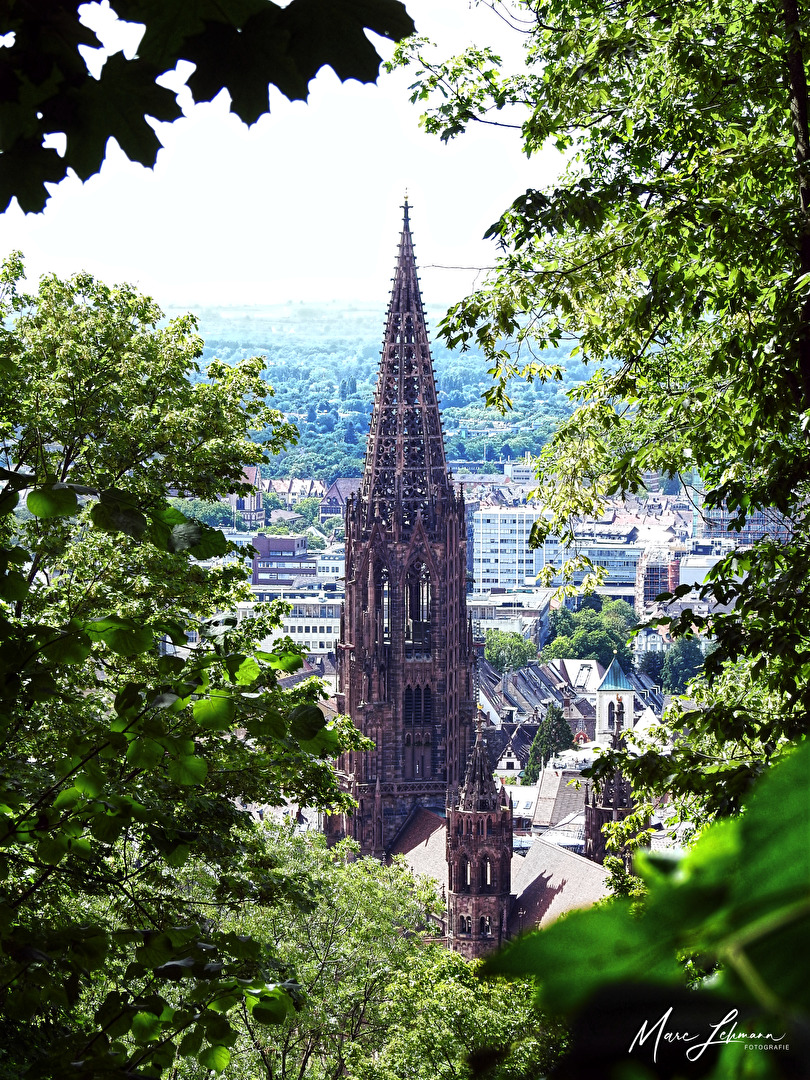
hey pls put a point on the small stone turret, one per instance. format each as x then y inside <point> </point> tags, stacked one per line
<point>479,858</point>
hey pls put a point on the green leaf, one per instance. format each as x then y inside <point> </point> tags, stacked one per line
<point>116,517</point>
<point>106,828</point>
<point>326,744</point>
<point>247,672</point>
<point>217,1058</point>
<point>52,849</point>
<point>776,835</point>
<point>8,501</point>
<point>13,586</point>
<point>70,647</point>
<point>178,856</point>
<point>306,721</point>
<point>574,956</point>
<point>272,1008</point>
<point>283,661</point>
<point>67,797</point>
<point>188,770</point>
<point>191,1042</point>
<point>123,636</point>
<point>145,753</point>
<point>176,970</point>
<point>216,712</point>
<point>91,781</point>
<point>145,1027</point>
<point>52,502</point>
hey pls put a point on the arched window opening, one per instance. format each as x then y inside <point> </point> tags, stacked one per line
<point>407,706</point>
<point>486,874</point>
<point>465,875</point>
<point>469,924</point>
<point>620,713</point>
<point>485,924</point>
<point>408,739</point>
<point>417,610</point>
<point>427,705</point>
<point>417,704</point>
<point>611,715</point>
<point>383,603</point>
<point>426,738</point>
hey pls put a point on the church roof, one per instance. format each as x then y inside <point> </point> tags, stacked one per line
<point>549,881</point>
<point>423,843</point>
<point>615,678</point>
<point>405,470</point>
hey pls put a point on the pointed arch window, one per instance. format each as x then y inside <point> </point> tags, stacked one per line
<point>407,706</point>
<point>427,705</point>
<point>611,715</point>
<point>486,874</point>
<point>417,610</point>
<point>383,603</point>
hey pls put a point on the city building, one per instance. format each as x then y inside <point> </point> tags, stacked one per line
<point>333,503</point>
<point>279,560</point>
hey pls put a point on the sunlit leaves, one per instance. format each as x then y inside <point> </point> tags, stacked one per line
<point>216,712</point>
<point>130,755</point>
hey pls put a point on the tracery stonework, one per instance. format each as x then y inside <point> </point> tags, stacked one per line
<point>405,655</point>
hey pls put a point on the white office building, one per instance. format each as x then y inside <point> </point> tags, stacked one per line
<point>502,557</point>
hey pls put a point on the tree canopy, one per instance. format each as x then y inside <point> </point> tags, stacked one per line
<point>508,650</point>
<point>674,253</point>
<point>242,46</point>
<point>129,751</point>
<point>590,634</point>
<point>553,735</point>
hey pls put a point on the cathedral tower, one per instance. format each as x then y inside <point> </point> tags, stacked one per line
<point>404,665</point>
<point>479,859</point>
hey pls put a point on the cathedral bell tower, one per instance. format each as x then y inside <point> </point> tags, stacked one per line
<point>405,653</point>
<point>479,859</point>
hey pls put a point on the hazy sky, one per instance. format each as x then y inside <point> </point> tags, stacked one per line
<point>303,205</point>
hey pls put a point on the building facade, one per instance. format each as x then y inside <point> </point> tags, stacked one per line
<point>405,652</point>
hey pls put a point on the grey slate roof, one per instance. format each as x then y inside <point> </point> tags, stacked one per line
<point>555,799</point>
<point>550,881</point>
<point>423,843</point>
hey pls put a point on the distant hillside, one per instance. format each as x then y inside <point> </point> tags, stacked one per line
<point>322,363</point>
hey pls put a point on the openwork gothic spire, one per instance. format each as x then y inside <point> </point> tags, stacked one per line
<point>405,468</point>
<point>479,790</point>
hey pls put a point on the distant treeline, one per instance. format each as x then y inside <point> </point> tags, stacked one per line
<point>322,363</point>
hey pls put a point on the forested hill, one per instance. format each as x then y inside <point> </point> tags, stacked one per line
<point>322,362</point>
